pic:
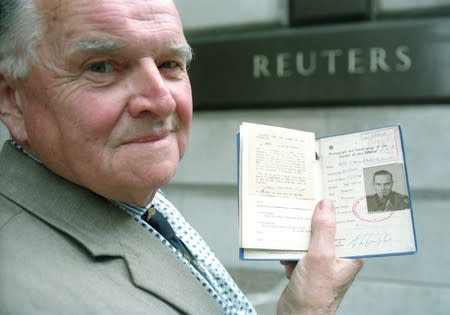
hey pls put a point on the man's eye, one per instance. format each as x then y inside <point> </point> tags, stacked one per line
<point>101,67</point>
<point>169,64</point>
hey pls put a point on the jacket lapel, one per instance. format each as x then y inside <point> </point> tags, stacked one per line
<point>103,229</point>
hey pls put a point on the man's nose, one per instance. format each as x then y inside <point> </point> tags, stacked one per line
<point>150,91</point>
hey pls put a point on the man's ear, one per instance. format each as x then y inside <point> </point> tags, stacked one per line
<point>11,110</point>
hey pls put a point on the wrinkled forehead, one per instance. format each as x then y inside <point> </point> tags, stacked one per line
<point>56,9</point>
<point>65,17</point>
<point>135,27</point>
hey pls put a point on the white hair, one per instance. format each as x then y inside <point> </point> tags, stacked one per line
<point>19,34</point>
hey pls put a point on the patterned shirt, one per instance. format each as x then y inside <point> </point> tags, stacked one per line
<point>216,281</point>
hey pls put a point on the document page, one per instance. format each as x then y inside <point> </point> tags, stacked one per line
<point>364,174</point>
<point>276,187</point>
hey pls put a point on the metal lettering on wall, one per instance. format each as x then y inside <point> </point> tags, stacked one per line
<point>371,63</point>
<point>285,65</point>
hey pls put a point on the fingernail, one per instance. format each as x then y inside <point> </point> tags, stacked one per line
<point>326,205</point>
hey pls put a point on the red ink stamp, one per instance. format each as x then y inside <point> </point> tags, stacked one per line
<point>361,212</point>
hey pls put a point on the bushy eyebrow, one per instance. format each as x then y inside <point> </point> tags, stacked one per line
<point>110,46</point>
<point>96,46</point>
<point>184,51</point>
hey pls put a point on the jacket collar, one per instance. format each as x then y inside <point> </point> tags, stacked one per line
<point>102,228</point>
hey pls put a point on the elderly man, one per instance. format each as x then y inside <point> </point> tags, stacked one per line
<point>97,99</point>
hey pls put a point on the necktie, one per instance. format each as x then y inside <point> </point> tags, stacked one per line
<point>160,224</point>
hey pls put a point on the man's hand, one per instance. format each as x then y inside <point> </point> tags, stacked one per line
<point>319,281</point>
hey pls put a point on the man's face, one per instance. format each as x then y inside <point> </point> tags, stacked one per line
<point>383,185</point>
<point>109,106</point>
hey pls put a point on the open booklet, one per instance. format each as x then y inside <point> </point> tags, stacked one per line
<point>283,173</point>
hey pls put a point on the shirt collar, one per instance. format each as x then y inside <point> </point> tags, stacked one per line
<point>132,208</point>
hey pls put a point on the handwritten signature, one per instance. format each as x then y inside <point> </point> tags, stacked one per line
<point>370,240</point>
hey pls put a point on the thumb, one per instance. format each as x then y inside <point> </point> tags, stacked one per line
<point>323,229</point>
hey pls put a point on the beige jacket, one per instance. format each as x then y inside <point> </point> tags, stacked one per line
<point>65,250</point>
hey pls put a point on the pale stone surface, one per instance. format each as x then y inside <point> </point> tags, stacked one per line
<point>207,14</point>
<point>408,5</point>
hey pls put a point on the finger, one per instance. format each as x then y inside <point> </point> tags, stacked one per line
<point>323,229</point>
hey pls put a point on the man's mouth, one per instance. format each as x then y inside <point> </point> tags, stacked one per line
<point>150,137</point>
